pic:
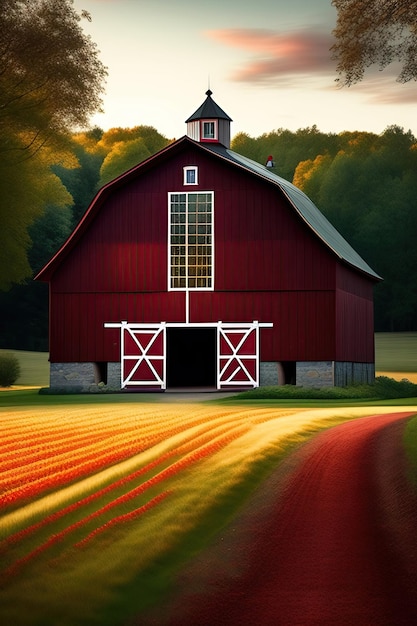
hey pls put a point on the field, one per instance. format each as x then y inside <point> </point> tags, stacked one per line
<point>103,500</point>
<point>396,355</point>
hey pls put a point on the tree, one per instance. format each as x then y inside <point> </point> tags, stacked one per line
<point>26,188</point>
<point>51,78</point>
<point>375,32</point>
<point>51,81</point>
<point>126,147</point>
<point>25,306</point>
<point>82,181</point>
<point>123,156</point>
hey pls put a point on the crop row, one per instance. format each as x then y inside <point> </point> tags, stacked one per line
<point>197,445</point>
<point>43,468</point>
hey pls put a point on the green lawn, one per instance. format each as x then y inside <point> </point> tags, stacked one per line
<point>396,352</point>
<point>34,368</point>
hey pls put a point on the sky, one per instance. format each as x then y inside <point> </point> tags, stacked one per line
<point>267,63</point>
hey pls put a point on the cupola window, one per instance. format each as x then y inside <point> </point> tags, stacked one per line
<point>209,130</point>
<point>209,123</point>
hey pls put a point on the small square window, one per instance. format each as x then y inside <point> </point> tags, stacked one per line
<point>191,175</point>
<point>209,130</point>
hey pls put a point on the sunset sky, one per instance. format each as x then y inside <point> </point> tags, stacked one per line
<point>267,63</point>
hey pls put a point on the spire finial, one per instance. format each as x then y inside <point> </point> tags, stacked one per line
<point>209,92</point>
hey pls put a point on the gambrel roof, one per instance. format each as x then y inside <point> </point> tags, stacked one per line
<point>305,208</point>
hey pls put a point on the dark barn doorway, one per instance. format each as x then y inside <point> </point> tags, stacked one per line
<point>191,357</point>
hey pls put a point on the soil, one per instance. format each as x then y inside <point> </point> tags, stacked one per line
<point>328,540</point>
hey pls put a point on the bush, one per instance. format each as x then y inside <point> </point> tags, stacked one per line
<point>384,388</point>
<point>390,388</point>
<point>9,369</point>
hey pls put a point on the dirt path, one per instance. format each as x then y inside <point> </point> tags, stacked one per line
<point>331,541</point>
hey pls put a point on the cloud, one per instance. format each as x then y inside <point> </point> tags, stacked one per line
<point>279,57</point>
<point>292,58</point>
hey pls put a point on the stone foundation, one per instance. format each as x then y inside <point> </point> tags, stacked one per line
<point>334,373</point>
<point>314,373</point>
<point>82,377</point>
<point>270,374</point>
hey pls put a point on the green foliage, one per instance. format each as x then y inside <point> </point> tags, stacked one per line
<point>127,147</point>
<point>122,157</point>
<point>9,369</point>
<point>366,185</point>
<point>384,388</point>
<point>288,148</point>
<point>82,181</point>
<point>26,189</point>
<point>51,80</point>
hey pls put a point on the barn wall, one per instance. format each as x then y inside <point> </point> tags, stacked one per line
<point>354,318</point>
<point>301,331</point>
<point>268,267</point>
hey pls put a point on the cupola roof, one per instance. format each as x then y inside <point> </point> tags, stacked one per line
<point>209,110</point>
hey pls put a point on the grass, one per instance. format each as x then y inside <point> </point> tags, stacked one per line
<point>34,368</point>
<point>396,352</point>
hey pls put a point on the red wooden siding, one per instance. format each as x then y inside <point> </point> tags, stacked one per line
<point>354,317</point>
<point>355,323</point>
<point>303,321</point>
<point>269,267</point>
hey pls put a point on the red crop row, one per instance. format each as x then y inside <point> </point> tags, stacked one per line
<point>192,443</point>
<point>198,453</point>
<point>21,484</point>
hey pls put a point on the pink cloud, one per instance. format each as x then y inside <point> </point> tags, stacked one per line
<point>278,56</point>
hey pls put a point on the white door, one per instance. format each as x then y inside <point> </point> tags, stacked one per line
<point>238,355</point>
<point>143,356</point>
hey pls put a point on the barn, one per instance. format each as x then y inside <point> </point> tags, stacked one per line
<point>200,268</point>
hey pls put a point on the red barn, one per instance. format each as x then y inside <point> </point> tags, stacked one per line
<point>200,267</point>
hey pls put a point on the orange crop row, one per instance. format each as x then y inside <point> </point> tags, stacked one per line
<point>208,441</point>
<point>44,470</point>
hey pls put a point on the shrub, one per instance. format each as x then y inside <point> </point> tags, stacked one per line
<point>384,388</point>
<point>9,369</point>
<point>390,388</point>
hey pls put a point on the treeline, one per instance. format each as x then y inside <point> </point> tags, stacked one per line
<point>366,185</point>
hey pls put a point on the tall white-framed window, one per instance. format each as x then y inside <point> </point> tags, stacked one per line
<point>209,129</point>
<point>191,243</point>
<point>190,175</point>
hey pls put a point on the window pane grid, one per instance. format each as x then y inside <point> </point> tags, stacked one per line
<point>191,258</point>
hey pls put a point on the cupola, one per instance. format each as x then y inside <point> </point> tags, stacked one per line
<point>209,124</point>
